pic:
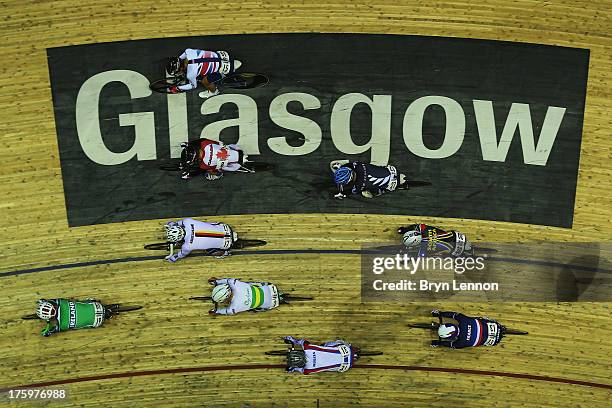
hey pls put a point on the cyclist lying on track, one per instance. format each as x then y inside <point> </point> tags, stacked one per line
<point>366,179</point>
<point>205,67</point>
<point>469,332</point>
<point>235,296</point>
<point>215,238</point>
<point>332,356</point>
<point>426,240</point>
<point>210,158</point>
<point>65,314</point>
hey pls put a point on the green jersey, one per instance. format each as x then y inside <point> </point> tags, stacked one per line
<point>73,314</point>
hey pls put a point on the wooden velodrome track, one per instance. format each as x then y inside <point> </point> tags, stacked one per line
<point>569,341</point>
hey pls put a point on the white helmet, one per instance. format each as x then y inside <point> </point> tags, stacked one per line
<point>447,331</point>
<point>174,233</point>
<point>45,310</point>
<point>412,238</point>
<point>220,293</point>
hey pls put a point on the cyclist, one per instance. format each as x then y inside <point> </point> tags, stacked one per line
<point>210,158</point>
<point>205,67</point>
<point>426,240</point>
<point>65,314</point>
<point>216,238</point>
<point>366,179</point>
<point>469,332</point>
<point>233,296</point>
<point>332,356</point>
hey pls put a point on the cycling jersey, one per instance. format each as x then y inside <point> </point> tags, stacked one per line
<point>331,356</point>
<point>204,235</point>
<point>197,69</point>
<point>257,296</point>
<point>436,241</point>
<point>374,179</point>
<point>215,156</point>
<point>473,332</point>
<point>74,314</point>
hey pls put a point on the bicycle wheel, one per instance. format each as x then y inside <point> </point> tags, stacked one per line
<point>415,183</point>
<point>277,353</point>
<point>370,353</point>
<point>259,166</point>
<point>164,85</point>
<point>30,317</point>
<point>202,298</point>
<point>164,246</point>
<point>481,250</point>
<point>428,326</point>
<point>170,166</point>
<point>244,80</point>
<point>289,297</point>
<point>514,331</point>
<point>245,243</point>
<point>123,309</point>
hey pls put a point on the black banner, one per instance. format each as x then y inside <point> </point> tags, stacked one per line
<point>495,126</point>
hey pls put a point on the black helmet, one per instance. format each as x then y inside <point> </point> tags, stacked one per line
<point>173,66</point>
<point>296,359</point>
<point>189,156</point>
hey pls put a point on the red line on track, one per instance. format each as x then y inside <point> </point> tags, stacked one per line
<point>265,366</point>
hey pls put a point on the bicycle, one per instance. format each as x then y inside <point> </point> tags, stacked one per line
<point>113,309</point>
<point>285,298</point>
<point>238,244</point>
<point>433,326</point>
<point>360,353</point>
<point>249,166</point>
<point>237,80</point>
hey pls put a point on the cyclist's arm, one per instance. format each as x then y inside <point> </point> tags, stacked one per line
<point>297,342</point>
<point>411,227</point>
<point>452,315</point>
<point>51,327</point>
<point>225,310</point>
<point>437,343</point>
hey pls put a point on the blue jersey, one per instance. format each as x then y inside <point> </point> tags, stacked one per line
<point>473,332</point>
<point>368,177</point>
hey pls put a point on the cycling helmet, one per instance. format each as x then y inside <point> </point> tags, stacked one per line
<point>412,238</point>
<point>174,233</point>
<point>189,156</point>
<point>296,359</point>
<point>221,293</point>
<point>174,65</point>
<point>447,331</point>
<point>343,176</point>
<point>45,310</point>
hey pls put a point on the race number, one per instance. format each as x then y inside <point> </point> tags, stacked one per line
<point>493,330</point>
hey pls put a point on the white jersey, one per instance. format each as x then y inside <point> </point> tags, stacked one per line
<point>195,70</point>
<point>331,356</point>
<point>249,296</point>
<point>204,235</point>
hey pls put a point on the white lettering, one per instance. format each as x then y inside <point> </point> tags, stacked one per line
<point>380,142</point>
<point>309,128</point>
<point>413,127</point>
<point>88,119</point>
<point>246,121</point>
<point>518,117</point>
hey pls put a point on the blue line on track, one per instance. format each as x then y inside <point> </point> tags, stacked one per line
<point>284,252</point>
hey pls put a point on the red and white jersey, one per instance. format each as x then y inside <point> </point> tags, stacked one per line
<point>198,69</point>
<point>332,356</point>
<point>215,156</point>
